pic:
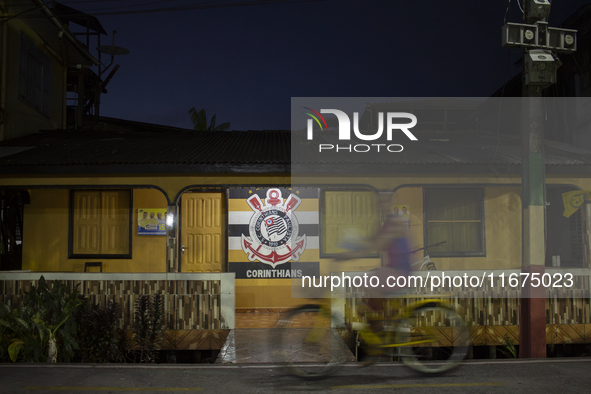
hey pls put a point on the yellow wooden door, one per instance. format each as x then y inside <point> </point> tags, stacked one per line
<point>202,242</point>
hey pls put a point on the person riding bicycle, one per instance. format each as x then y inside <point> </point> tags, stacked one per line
<point>391,239</point>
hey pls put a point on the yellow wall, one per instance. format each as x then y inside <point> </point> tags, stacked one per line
<point>502,226</point>
<point>45,236</point>
<point>265,293</point>
<point>49,209</point>
<point>503,247</point>
<point>502,218</point>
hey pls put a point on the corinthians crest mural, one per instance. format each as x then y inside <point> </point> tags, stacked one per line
<point>273,229</point>
<point>273,232</point>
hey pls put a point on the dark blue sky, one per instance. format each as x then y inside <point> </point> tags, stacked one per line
<point>245,63</point>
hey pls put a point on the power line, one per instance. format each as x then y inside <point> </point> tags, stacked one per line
<point>140,5</point>
<point>191,7</point>
<point>206,6</point>
<point>7,18</point>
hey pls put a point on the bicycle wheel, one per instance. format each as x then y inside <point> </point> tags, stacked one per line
<point>306,342</point>
<point>433,339</point>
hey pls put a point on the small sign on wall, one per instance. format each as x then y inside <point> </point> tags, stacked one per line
<point>403,211</point>
<point>151,221</point>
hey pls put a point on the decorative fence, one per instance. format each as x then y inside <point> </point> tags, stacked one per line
<point>492,313</point>
<point>199,307</point>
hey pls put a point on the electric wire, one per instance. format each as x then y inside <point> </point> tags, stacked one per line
<point>205,6</point>
<point>506,12</point>
<point>190,7</point>
<point>145,4</point>
<point>519,4</point>
<point>7,18</point>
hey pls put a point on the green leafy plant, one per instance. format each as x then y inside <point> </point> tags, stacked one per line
<point>148,322</point>
<point>98,335</point>
<point>54,315</point>
<point>123,345</point>
<point>199,120</point>
<point>20,335</point>
<point>508,349</point>
<point>41,326</point>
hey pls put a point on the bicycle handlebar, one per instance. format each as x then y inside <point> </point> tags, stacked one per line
<point>429,246</point>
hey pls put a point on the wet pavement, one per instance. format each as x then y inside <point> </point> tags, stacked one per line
<point>255,345</point>
<point>501,376</point>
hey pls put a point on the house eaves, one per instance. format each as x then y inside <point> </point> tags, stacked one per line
<point>178,151</point>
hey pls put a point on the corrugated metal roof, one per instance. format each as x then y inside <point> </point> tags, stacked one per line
<point>269,151</point>
<point>445,148</point>
<point>129,148</point>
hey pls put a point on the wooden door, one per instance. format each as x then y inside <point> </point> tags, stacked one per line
<point>202,240</point>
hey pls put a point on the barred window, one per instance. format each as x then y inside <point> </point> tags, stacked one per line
<point>457,217</point>
<point>34,77</point>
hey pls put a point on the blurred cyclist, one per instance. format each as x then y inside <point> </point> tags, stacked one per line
<point>391,238</point>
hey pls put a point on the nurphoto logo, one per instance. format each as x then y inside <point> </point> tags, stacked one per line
<point>344,121</point>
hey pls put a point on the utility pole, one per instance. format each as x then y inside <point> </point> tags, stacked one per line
<point>539,71</point>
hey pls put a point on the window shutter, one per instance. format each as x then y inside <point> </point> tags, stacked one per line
<point>115,222</point>
<point>23,67</point>
<point>364,213</point>
<point>34,76</point>
<point>337,214</point>
<point>347,214</point>
<point>87,223</point>
<point>46,96</point>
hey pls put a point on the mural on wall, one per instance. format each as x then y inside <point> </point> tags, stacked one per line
<point>276,230</point>
<point>151,221</point>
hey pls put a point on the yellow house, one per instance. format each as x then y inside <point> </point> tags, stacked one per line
<point>203,218</point>
<point>81,200</point>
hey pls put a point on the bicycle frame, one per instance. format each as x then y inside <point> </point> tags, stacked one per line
<point>373,339</point>
<point>309,329</point>
<point>426,261</point>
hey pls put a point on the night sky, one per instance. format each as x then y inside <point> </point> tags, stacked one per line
<point>245,63</point>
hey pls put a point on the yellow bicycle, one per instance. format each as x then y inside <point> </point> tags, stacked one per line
<point>427,335</point>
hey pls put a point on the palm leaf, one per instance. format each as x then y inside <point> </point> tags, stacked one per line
<point>22,323</point>
<point>223,127</point>
<point>4,308</point>
<point>199,119</point>
<point>212,124</point>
